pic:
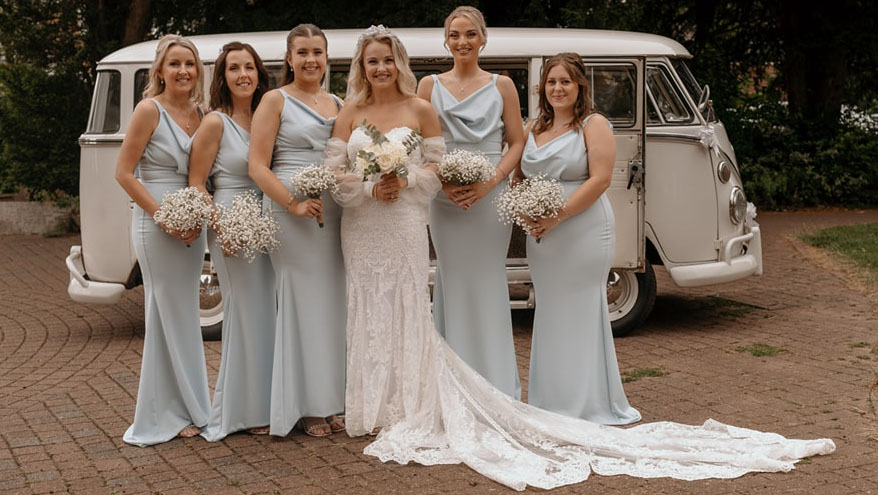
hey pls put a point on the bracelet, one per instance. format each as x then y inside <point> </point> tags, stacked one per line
<point>290,201</point>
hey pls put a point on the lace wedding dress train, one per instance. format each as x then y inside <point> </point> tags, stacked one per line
<point>434,409</point>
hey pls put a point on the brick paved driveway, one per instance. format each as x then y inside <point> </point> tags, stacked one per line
<point>68,379</point>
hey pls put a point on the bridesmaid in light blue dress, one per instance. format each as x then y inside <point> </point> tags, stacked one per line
<point>242,397</point>
<point>290,130</point>
<point>470,297</point>
<point>573,369</point>
<point>173,397</point>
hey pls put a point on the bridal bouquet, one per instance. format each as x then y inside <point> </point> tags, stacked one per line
<point>242,228</point>
<point>383,155</point>
<point>463,168</point>
<point>183,210</point>
<point>535,197</point>
<point>312,181</point>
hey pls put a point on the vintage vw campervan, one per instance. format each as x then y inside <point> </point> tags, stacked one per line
<point>676,191</point>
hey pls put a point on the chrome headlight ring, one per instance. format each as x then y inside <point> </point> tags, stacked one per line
<point>737,205</point>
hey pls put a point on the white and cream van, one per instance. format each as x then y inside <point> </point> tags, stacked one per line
<point>676,191</point>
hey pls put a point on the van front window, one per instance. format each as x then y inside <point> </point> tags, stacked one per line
<point>668,106</point>
<point>689,82</point>
<point>104,116</point>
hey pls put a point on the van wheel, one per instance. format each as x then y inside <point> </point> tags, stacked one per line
<point>630,298</point>
<point>210,302</point>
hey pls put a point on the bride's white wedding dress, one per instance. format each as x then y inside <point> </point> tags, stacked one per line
<point>434,409</point>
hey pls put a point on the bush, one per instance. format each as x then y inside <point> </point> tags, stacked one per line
<point>42,113</point>
<point>788,163</point>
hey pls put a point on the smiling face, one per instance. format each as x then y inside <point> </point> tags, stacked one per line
<point>379,65</point>
<point>464,40</point>
<point>307,58</point>
<point>241,74</point>
<point>179,70</point>
<point>561,90</point>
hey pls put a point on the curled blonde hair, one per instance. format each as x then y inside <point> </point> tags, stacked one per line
<point>471,14</point>
<point>359,89</point>
<point>154,85</point>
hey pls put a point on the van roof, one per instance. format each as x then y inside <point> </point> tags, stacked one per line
<point>426,43</point>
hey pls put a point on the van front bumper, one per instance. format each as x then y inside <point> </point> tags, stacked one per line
<point>83,290</point>
<point>730,267</point>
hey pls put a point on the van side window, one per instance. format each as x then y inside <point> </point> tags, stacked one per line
<point>514,69</point>
<point>666,102</point>
<point>105,106</point>
<point>140,79</point>
<point>613,92</point>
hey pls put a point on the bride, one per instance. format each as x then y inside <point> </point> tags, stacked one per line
<point>404,380</point>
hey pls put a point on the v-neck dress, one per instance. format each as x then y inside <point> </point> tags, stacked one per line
<point>242,397</point>
<point>309,352</point>
<point>470,294</point>
<point>573,368</point>
<point>173,390</point>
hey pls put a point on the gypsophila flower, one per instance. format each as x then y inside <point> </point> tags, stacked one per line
<point>242,229</point>
<point>463,168</point>
<point>312,181</point>
<point>183,210</point>
<point>384,156</point>
<point>534,197</point>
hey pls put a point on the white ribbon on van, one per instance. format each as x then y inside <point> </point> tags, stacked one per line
<point>707,136</point>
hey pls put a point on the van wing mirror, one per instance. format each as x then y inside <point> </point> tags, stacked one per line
<point>704,100</point>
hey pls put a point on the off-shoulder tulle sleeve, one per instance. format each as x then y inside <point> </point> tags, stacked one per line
<point>424,184</point>
<point>351,190</point>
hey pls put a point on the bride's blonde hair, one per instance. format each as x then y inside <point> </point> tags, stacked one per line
<point>359,88</point>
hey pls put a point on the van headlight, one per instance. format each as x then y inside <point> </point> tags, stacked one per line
<point>737,205</point>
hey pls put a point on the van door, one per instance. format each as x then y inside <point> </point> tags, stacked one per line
<point>617,87</point>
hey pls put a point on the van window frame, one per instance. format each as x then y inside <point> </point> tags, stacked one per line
<point>675,86</point>
<point>593,62</point>
<point>102,94</point>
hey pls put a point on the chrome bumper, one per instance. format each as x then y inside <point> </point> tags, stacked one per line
<point>88,291</point>
<point>729,268</point>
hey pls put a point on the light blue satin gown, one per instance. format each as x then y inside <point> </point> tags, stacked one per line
<point>242,397</point>
<point>309,354</point>
<point>470,294</point>
<point>173,390</point>
<point>573,368</point>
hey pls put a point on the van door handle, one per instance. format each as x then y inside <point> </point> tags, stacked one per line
<point>632,174</point>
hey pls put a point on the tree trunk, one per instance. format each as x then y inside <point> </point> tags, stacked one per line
<point>137,23</point>
<point>816,56</point>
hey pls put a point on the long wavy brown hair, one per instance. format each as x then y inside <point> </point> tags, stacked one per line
<point>583,106</point>
<point>303,30</point>
<point>220,94</point>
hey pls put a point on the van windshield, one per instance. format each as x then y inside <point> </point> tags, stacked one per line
<point>688,79</point>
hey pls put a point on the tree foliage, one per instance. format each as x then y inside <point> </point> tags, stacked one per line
<point>754,54</point>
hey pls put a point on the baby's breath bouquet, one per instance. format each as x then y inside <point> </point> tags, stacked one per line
<point>384,156</point>
<point>463,168</point>
<point>243,229</point>
<point>534,197</point>
<point>312,181</point>
<point>183,210</point>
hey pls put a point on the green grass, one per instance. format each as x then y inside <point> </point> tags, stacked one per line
<point>637,374</point>
<point>857,345</point>
<point>858,243</point>
<point>761,350</point>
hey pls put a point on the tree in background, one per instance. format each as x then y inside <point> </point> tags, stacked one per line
<point>780,73</point>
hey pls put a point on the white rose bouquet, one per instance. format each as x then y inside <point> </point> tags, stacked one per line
<point>463,168</point>
<point>384,156</point>
<point>535,197</point>
<point>312,181</point>
<point>243,229</point>
<point>184,210</point>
